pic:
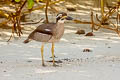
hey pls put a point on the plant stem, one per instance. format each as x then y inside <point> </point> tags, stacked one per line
<point>102,7</point>
<point>46,10</point>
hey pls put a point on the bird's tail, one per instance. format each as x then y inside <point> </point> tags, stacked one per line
<point>26,41</point>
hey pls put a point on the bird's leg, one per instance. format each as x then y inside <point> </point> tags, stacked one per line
<point>52,50</point>
<point>42,49</point>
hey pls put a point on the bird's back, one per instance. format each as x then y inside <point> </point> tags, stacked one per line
<point>50,32</point>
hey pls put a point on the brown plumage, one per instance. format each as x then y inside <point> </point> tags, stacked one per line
<point>51,33</point>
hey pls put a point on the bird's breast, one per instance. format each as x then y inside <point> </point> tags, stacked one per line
<point>60,31</point>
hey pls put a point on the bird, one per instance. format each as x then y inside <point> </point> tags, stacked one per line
<point>49,33</point>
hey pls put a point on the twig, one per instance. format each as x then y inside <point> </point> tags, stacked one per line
<point>100,26</point>
<point>46,11</point>
<point>32,22</point>
<point>92,21</point>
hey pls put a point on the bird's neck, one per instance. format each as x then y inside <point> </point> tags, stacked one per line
<point>60,21</point>
<point>59,24</point>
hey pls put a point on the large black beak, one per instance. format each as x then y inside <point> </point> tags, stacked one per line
<point>69,18</point>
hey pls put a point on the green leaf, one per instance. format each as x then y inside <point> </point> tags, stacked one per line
<point>17,0</point>
<point>30,4</point>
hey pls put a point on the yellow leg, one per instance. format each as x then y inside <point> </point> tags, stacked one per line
<point>42,49</point>
<point>52,49</point>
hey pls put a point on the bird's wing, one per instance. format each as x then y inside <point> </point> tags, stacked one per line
<point>49,29</point>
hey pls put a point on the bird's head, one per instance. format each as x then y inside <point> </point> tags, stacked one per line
<point>61,17</point>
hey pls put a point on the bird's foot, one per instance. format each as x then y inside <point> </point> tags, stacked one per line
<point>54,56</point>
<point>43,65</point>
<point>55,65</point>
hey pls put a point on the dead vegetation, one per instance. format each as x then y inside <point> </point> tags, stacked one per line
<point>105,21</point>
<point>15,17</point>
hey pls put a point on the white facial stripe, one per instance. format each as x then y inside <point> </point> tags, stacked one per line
<point>59,15</point>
